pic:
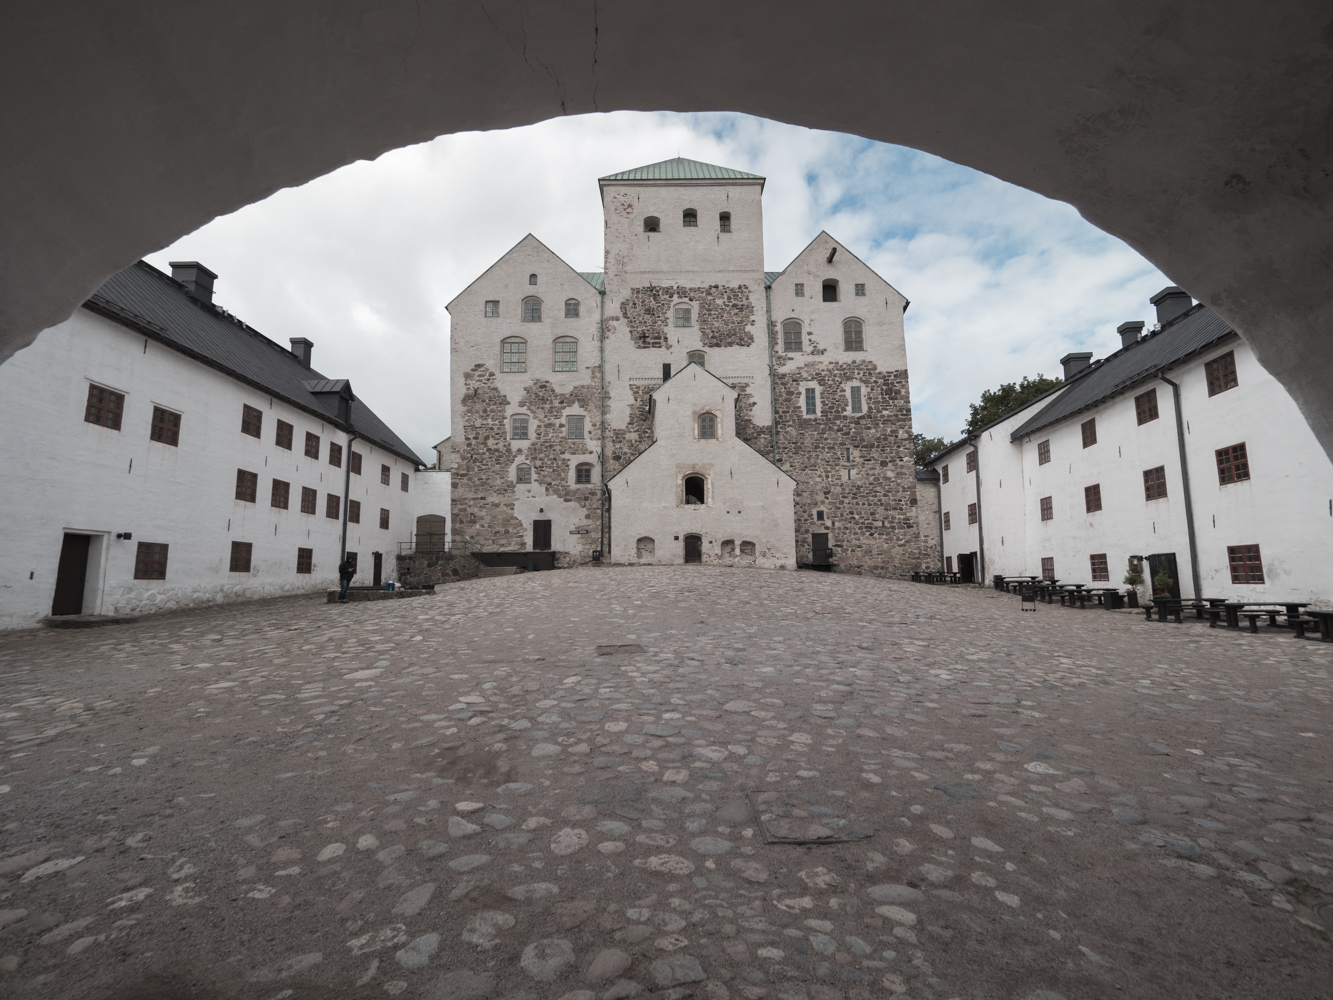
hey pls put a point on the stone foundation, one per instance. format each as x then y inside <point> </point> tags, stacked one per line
<point>418,569</point>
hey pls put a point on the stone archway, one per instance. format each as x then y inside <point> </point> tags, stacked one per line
<point>1195,131</point>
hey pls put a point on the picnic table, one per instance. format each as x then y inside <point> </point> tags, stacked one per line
<point>1325,620</point>
<point>1074,592</point>
<point>1233,610</point>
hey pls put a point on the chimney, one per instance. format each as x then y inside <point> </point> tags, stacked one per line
<point>197,279</point>
<point>1075,363</point>
<point>1171,302</point>
<point>1129,332</point>
<point>302,348</point>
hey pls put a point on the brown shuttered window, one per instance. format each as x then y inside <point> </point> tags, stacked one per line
<point>247,485</point>
<point>948,564</point>
<point>1089,428</point>
<point>1246,566</point>
<point>356,463</point>
<point>384,518</point>
<point>947,519</point>
<point>1048,567</point>
<point>252,421</point>
<point>1145,406</point>
<point>335,455</point>
<point>1101,572</point>
<point>166,427</point>
<point>971,513</point>
<point>354,511</point>
<point>384,474</point>
<point>240,557</point>
<point>1092,497</point>
<point>311,445</point>
<point>150,562</point>
<point>1221,373</point>
<point>105,407</point>
<point>309,500</point>
<point>1154,483</point>
<point>971,461</point>
<point>403,483</point>
<point>1043,451</point>
<point>332,507</point>
<point>304,560</point>
<point>944,473</point>
<point>283,438</point>
<point>1047,509</point>
<point>1233,465</point>
<point>282,493</point>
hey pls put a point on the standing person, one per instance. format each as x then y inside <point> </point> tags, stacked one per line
<point>346,570</point>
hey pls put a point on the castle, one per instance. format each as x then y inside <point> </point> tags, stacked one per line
<point>685,404</point>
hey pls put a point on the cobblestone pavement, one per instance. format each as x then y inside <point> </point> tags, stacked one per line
<point>460,797</point>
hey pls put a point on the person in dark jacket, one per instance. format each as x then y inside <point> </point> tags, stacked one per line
<point>346,570</point>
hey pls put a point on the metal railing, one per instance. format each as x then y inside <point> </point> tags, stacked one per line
<point>425,544</point>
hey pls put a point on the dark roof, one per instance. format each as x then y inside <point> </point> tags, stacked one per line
<point>1177,342</point>
<point>927,475</point>
<point>144,299</point>
<point>681,169</point>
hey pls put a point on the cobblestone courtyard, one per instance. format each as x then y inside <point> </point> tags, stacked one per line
<point>460,796</point>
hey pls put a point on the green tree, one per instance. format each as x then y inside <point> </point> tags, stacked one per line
<point>995,403</point>
<point>926,448</point>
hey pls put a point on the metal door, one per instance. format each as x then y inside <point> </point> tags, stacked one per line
<point>819,550</point>
<point>1164,561</point>
<point>694,549</point>
<point>541,535</point>
<point>378,580</point>
<point>71,575</point>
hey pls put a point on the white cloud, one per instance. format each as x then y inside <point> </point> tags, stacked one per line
<point>362,261</point>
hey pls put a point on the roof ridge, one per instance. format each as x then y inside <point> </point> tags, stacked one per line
<point>681,168</point>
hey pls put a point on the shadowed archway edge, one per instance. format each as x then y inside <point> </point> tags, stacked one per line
<point>1197,132</point>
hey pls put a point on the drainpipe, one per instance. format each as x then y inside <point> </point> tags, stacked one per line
<point>601,419</point>
<point>939,516</point>
<point>1185,485</point>
<point>772,394</point>
<point>981,534</point>
<point>347,486</point>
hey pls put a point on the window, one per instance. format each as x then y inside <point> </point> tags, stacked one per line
<point>167,427</point>
<point>105,407</point>
<point>247,485</point>
<point>971,513</point>
<point>335,455</point>
<point>309,500</point>
<point>1101,572</point>
<point>682,316</point>
<point>724,222</point>
<point>971,461</point>
<point>402,484</point>
<point>944,473</point>
<point>800,290</point>
<point>331,506</point>
<point>652,224</point>
<point>305,559</point>
<point>280,495</point>
<point>519,425</point>
<point>583,474</point>
<point>644,547</point>
<point>853,335</point>
<point>1232,464</point>
<point>240,556</point>
<point>524,474</point>
<point>811,403</point>
<point>283,437</point>
<point>1048,567</point>
<point>1089,428</point>
<point>791,336</point>
<point>532,310</point>
<point>1047,509</point>
<point>252,420</point>
<point>1092,498</point>
<point>1145,406</point>
<point>311,445</point>
<point>354,511</point>
<point>532,279</point>
<point>860,291</point>
<point>697,358</point>
<point>831,290</point>
<point>571,308</point>
<point>150,562</point>
<point>492,308</point>
<point>947,521</point>
<point>856,399</point>
<point>689,218</point>
<point>1246,566</point>
<point>707,426</point>
<point>566,355</point>
<point>694,490</point>
<point>1221,373</point>
<point>384,519</point>
<point>514,355</point>
<point>356,463</point>
<point>574,428</point>
<point>819,515</point>
<point>1154,483</point>
<point>1043,451</point>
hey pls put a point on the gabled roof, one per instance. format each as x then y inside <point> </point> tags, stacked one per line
<point>681,169</point>
<point>586,276</point>
<point>1181,339</point>
<point>772,276</point>
<point>149,302</point>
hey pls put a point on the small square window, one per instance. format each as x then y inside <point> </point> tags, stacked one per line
<point>247,485</point>
<point>683,316</point>
<point>240,556</point>
<point>492,308</point>
<point>105,407</point>
<point>972,461</point>
<point>583,475</point>
<point>353,511</point>
<point>1092,498</point>
<point>166,427</point>
<point>385,472</point>
<point>800,290</point>
<point>305,559</point>
<point>333,506</point>
<point>819,515</point>
<point>860,290</point>
<point>384,518</point>
<point>280,495</point>
<point>574,428</point>
<point>856,399</point>
<point>1145,406</point>
<point>1101,572</point>
<point>150,562</point>
<point>1048,567</point>
<point>309,500</point>
<point>252,421</point>
<point>1221,373</point>
<point>1047,509</point>
<point>1043,451</point>
<point>403,483</point>
<point>1154,483</point>
<point>947,521</point>
<point>1233,465</point>
<point>312,446</point>
<point>971,513</point>
<point>283,437</point>
<point>356,463</point>
<point>335,455</point>
<point>811,403</point>
<point>1246,566</point>
<point>1089,428</point>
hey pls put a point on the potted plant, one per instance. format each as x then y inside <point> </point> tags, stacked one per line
<point>1162,584</point>
<point>1133,580</point>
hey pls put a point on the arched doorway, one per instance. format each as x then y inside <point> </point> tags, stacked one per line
<point>694,549</point>
<point>694,489</point>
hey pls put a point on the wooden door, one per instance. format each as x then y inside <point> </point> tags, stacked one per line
<point>378,580</point>
<point>71,575</point>
<point>541,535</point>
<point>694,549</point>
<point>966,567</point>
<point>819,550</point>
<point>1156,564</point>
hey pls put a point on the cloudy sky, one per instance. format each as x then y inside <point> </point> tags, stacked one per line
<point>362,261</point>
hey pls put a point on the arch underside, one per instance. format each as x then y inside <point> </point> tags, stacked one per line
<point>1198,132</point>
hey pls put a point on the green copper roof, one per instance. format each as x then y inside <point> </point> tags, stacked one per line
<point>681,169</point>
<point>771,276</point>
<point>595,278</point>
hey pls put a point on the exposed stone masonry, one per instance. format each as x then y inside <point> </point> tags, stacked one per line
<point>724,314</point>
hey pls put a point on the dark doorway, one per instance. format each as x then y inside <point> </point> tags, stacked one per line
<point>541,535</point>
<point>1161,562</point>
<point>71,575</point>
<point>694,549</point>
<point>694,489</point>
<point>820,555</point>
<point>967,567</point>
<point>378,579</point>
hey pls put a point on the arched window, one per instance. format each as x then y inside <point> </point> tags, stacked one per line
<point>747,550</point>
<point>791,336</point>
<point>684,316</point>
<point>532,310</point>
<point>689,218</point>
<point>645,547</point>
<point>583,474</point>
<point>524,473</point>
<point>853,335</point>
<point>724,222</point>
<point>697,358</point>
<point>532,279</point>
<point>513,355</point>
<point>566,355</point>
<point>707,426</point>
<point>571,308</point>
<point>694,489</point>
<point>652,224</point>
<point>518,427</point>
<point>831,290</point>
<point>728,548</point>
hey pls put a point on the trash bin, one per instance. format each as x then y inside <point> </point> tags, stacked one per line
<point>998,581</point>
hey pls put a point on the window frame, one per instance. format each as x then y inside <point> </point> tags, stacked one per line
<point>1047,507</point>
<point>798,289</point>
<point>944,473</point>
<point>305,561</point>
<point>386,475</point>
<point>810,401</point>
<point>353,511</point>
<point>699,358</point>
<point>532,279</point>
<point>1145,407</point>
<point>532,309</point>
<point>523,474</point>
<point>571,313</point>
<point>1247,566</point>
<point>1220,373</point>
<point>1048,567</point>
<point>404,482</point>
<point>309,500</point>
<point>583,474</point>
<point>859,290</point>
<point>1099,567</point>
<point>565,354</point>
<point>333,506</point>
<point>689,219</point>
<point>312,444</point>
<point>514,422</point>
<point>164,431</point>
<point>787,331</point>
<point>513,355</point>
<point>970,461</point>
<point>1154,485</point>
<point>709,422</point>
<point>110,407</point>
<point>491,309</point>
<point>856,399</point>
<point>281,490</point>
<point>1089,431</point>
<point>247,486</point>
<point>283,435</point>
<point>685,312</point>
<point>724,222</point>
<point>572,421</point>
<point>384,519</point>
<point>1044,452</point>
<point>853,335</point>
<point>947,521</point>
<point>652,224</point>
<point>825,285</point>
<point>356,462</point>
<point>242,557</point>
<point>252,420</point>
<point>335,454</point>
<point>150,561</point>
<point>1233,464</point>
<point>1092,498</point>
<point>972,516</point>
